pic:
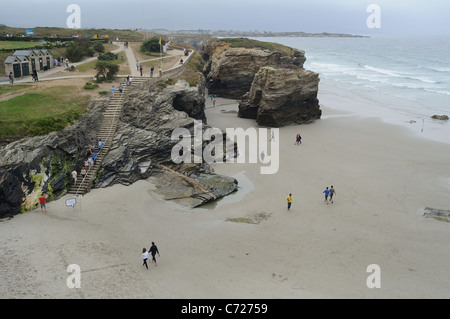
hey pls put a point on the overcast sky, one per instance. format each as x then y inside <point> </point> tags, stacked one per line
<point>340,16</point>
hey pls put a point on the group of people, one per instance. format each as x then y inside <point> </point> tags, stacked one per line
<point>91,155</point>
<point>329,193</point>
<point>153,250</point>
<point>129,80</point>
<point>113,89</point>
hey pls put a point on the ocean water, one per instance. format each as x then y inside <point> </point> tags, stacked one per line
<point>407,78</point>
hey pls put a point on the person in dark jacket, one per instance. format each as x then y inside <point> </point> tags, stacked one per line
<point>154,250</point>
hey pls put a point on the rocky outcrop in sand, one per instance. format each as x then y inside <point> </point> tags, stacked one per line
<point>282,96</point>
<point>440,117</point>
<point>269,78</point>
<point>142,146</point>
<point>230,70</point>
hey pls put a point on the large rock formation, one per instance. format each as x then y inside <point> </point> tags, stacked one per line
<point>282,96</point>
<point>142,146</point>
<point>230,70</point>
<point>41,165</point>
<point>269,78</point>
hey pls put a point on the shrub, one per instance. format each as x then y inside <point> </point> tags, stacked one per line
<point>152,45</point>
<point>108,56</point>
<point>90,86</point>
<point>99,47</point>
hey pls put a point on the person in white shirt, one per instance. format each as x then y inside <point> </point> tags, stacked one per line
<point>74,176</point>
<point>145,257</point>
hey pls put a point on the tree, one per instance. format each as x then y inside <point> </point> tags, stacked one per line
<point>74,52</point>
<point>152,45</point>
<point>99,47</point>
<point>108,70</point>
<point>79,49</point>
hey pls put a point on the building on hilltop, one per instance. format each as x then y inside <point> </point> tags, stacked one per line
<point>24,62</point>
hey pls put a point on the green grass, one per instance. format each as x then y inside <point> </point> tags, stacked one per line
<point>251,44</point>
<point>40,112</point>
<point>123,34</point>
<point>4,89</point>
<point>18,44</point>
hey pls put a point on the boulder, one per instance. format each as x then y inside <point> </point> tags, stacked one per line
<point>282,96</point>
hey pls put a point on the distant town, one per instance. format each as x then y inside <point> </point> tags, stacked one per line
<point>254,33</point>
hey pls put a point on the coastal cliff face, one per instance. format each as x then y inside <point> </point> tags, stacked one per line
<point>268,78</point>
<point>143,144</point>
<point>282,96</point>
<point>229,71</point>
<point>142,148</point>
<point>275,90</point>
<point>42,165</point>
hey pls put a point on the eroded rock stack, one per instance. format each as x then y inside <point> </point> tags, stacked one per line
<point>274,87</point>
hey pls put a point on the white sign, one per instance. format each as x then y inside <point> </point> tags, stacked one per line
<point>71,202</point>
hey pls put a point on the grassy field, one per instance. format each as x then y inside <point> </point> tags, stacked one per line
<point>38,112</point>
<point>18,44</point>
<point>122,34</point>
<point>249,43</point>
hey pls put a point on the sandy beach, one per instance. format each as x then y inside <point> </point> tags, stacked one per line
<point>384,177</point>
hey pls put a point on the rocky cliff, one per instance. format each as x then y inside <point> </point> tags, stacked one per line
<point>282,96</point>
<point>33,166</point>
<point>268,78</point>
<point>142,148</point>
<point>230,68</point>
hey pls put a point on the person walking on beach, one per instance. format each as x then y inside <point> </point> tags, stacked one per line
<point>154,251</point>
<point>151,71</point>
<point>298,139</point>
<point>137,65</point>
<point>42,201</point>
<point>332,192</point>
<point>140,69</point>
<point>289,200</point>
<point>144,257</point>
<point>128,80</point>
<point>112,91</point>
<point>327,193</point>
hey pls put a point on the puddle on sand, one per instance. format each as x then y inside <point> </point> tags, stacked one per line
<point>245,185</point>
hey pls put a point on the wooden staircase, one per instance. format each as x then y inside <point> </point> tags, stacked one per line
<point>106,134</point>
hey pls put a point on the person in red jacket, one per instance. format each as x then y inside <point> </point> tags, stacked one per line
<point>42,201</point>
